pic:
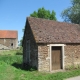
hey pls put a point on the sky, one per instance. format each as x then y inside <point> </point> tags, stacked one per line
<point>13,13</point>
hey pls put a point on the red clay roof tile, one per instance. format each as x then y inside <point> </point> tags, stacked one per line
<point>8,34</point>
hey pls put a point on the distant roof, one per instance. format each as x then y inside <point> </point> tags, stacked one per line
<point>50,31</point>
<point>8,34</point>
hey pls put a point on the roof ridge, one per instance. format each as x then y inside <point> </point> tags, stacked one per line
<point>8,30</point>
<point>52,20</point>
<point>45,30</point>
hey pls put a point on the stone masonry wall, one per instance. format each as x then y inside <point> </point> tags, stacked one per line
<point>8,42</point>
<point>72,55</point>
<point>33,48</point>
<point>43,58</point>
<point>40,53</point>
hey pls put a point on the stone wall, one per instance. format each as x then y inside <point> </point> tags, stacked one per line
<point>8,43</point>
<point>72,55</point>
<point>43,58</point>
<point>40,53</point>
<point>28,36</point>
<point>2,47</point>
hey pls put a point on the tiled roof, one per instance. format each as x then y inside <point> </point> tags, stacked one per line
<point>8,34</point>
<point>50,31</point>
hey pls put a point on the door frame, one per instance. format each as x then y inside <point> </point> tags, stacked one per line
<point>62,48</point>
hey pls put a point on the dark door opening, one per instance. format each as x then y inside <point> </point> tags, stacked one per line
<point>56,57</point>
<point>11,45</point>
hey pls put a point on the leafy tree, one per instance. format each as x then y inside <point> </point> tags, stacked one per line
<point>21,42</point>
<point>72,14</point>
<point>42,13</point>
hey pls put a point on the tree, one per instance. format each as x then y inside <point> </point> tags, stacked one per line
<point>21,42</point>
<point>72,14</point>
<point>42,13</point>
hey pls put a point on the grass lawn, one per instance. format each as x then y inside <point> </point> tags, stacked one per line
<point>11,69</point>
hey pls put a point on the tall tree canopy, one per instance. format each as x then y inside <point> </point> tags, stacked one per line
<point>43,13</point>
<point>72,14</point>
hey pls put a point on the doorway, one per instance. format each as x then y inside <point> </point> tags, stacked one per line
<point>56,57</point>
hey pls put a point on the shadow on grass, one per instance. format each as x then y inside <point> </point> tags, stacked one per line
<point>22,67</point>
<point>19,53</point>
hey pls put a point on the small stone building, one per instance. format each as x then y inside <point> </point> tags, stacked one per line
<point>8,39</point>
<point>50,45</point>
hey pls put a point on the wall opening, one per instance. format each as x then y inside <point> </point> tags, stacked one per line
<point>56,57</point>
<point>54,48</point>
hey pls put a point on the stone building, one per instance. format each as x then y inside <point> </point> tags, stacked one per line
<point>8,39</point>
<point>50,45</point>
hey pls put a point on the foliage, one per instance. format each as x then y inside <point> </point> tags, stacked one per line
<point>21,42</point>
<point>72,14</point>
<point>11,52</point>
<point>10,69</point>
<point>11,59</point>
<point>11,56</point>
<point>43,13</point>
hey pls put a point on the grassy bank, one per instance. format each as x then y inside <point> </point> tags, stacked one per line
<point>11,69</point>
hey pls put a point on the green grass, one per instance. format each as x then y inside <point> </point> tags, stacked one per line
<point>11,69</point>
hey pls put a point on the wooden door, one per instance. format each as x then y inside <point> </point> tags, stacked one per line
<point>56,58</point>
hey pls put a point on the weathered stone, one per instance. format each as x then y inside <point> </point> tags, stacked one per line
<point>72,53</point>
<point>39,53</point>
